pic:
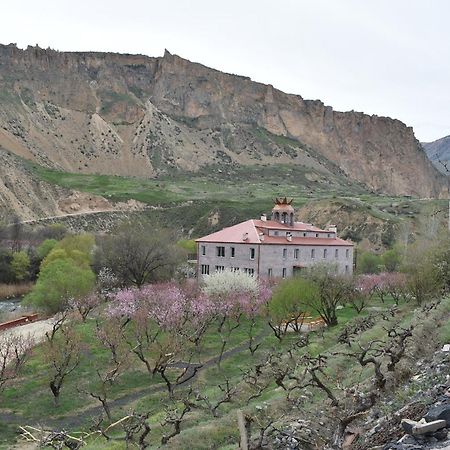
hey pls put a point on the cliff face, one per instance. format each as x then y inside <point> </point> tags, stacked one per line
<point>135,115</point>
<point>439,153</point>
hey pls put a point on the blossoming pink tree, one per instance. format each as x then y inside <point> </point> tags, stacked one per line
<point>235,294</point>
<point>383,284</point>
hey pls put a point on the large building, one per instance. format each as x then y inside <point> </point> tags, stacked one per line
<point>277,248</point>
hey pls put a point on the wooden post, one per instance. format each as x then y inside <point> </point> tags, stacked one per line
<point>242,430</point>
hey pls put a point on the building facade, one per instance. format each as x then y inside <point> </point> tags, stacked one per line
<point>277,248</point>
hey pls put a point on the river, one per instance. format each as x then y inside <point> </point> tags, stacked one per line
<point>10,305</point>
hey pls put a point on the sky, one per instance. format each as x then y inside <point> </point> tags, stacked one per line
<point>384,57</point>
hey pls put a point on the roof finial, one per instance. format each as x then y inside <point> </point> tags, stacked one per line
<point>283,201</point>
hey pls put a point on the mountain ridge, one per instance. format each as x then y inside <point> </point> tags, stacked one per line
<point>121,114</point>
<point>439,153</point>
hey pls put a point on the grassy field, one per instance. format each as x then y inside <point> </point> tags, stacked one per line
<point>29,401</point>
<point>240,185</point>
<point>203,202</point>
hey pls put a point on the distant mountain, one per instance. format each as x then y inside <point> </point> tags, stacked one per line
<point>439,153</point>
<point>135,115</point>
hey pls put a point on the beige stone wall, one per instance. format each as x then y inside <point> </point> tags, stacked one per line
<point>272,257</point>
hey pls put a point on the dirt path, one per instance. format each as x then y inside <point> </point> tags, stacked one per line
<point>35,330</point>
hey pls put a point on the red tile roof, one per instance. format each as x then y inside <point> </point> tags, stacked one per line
<point>252,229</point>
<point>298,226</point>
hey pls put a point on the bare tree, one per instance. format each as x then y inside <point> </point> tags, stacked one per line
<point>174,418</point>
<point>14,350</point>
<point>86,304</point>
<point>204,402</point>
<point>396,345</point>
<point>370,354</point>
<point>136,427</point>
<point>63,355</point>
<point>138,254</point>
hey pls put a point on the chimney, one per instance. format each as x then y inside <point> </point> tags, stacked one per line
<point>332,228</point>
<point>289,236</point>
<point>263,217</point>
<point>245,236</point>
<point>261,237</point>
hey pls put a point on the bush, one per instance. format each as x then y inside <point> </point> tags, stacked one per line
<point>58,282</point>
<point>368,263</point>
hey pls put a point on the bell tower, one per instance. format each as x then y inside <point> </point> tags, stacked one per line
<point>283,212</point>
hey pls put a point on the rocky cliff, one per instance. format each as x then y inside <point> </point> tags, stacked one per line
<point>136,115</point>
<point>439,153</point>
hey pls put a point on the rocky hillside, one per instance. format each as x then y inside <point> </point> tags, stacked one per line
<point>28,197</point>
<point>439,153</point>
<point>136,115</point>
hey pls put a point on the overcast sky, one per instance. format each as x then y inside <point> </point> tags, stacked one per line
<point>385,57</point>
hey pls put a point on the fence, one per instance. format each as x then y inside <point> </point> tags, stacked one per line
<point>20,321</point>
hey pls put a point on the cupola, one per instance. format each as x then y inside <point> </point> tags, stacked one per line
<point>283,212</point>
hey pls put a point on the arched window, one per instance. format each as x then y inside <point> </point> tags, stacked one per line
<point>277,216</point>
<point>284,217</point>
<point>291,220</point>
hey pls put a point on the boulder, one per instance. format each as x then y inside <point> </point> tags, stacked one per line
<point>439,412</point>
<point>428,427</point>
<point>408,425</point>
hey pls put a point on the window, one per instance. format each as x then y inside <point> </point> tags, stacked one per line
<point>330,235</point>
<point>317,234</point>
<point>252,253</point>
<point>296,253</point>
<point>270,273</point>
<point>284,272</point>
<point>336,253</point>
<point>304,234</point>
<point>313,253</point>
<point>220,268</point>
<point>325,252</point>
<point>284,253</point>
<point>220,251</point>
<point>232,249</point>
<point>249,271</point>
<point>275,233</point>
<point>346,269</point>
<point>235,269</point>
<point>347,253</point>
<point>203,250</point>
<point>205,269</point>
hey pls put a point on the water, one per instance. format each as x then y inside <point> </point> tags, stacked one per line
<point>10,305</point>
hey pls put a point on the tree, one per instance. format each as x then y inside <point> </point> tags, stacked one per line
<point>158,314</point>
<point>109,335</point>
<point>54,231</point>
<point>233,294</point>
<point>85,304</point>
<point>14,350</point>
<point>287,306</point>
<point>425,267</point>
<point>63,356</point>
<point>368,263</point>
<point>138,255</point>
<point>59,281</point>
<point>16,235</point>
<point>333,289</point>
<point>392,259</point>
<point>20,265</point>
<point>78,248</point>
<point>46,247</point>
<point>6,271</point>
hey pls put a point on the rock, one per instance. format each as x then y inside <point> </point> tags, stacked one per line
<point>439,412</point>
<point>408,425</point>
<point>430,427</point>
<point>441,435</point>
<point>446,348</point>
